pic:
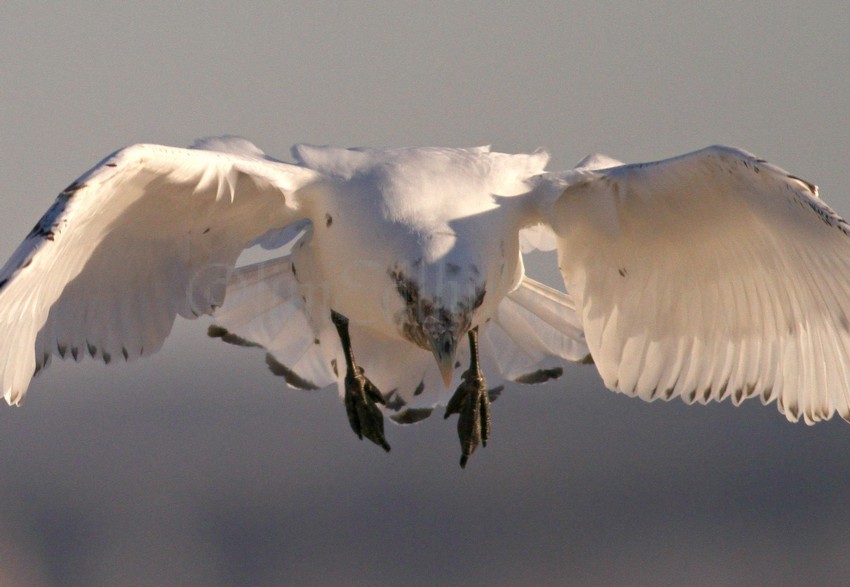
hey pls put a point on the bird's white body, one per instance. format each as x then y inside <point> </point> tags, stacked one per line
<point>441,226</point>
<point>706,276</point>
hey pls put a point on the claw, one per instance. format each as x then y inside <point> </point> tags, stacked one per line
<point>363,414</point>
<point>471,402</point>
<point>361,395</point>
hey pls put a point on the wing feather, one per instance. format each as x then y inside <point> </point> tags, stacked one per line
<point>707,276</point>
<point>148,233</point>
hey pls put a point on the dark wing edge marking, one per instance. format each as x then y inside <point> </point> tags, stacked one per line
<point>275,366</point>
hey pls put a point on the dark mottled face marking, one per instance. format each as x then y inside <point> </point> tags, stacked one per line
<point>422,315</point>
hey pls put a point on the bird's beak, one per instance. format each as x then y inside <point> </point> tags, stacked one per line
<point>444,347</point>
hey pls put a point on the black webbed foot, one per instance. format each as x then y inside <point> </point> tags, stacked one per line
<point>361,399</point>
<point>471,402</point>
<point>361,396</point>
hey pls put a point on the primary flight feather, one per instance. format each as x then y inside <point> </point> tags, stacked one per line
<point>707,276</point>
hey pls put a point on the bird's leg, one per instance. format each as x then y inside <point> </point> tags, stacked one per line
<point>361,396</point>
<point>471,402</point>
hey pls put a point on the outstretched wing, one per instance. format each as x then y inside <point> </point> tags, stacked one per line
<point>148,233</point>
<point>706,276</point>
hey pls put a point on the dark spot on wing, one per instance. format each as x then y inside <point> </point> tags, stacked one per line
<point>393,401</point>
<point>225,335</point>
<point>411,415</point>
<point>112,165</point>
<point>622,271</point>
<point>540,376</point>
<point>125,353</point>
<point>495,392</point>
<point>69,191</point>
<point>206,231</point>
<point>419,388</point>
<point>49,222</point>
<point>827,215</point>
<point>291,377</point>
<point>329,220</point>
<point>333,366</point>
<point>317,341</point>
<point>812,187</point>
<point>107,358</point>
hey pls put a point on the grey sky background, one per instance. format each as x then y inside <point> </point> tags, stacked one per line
<point>196,466</point>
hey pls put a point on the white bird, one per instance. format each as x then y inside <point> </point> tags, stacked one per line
<point>706,276</point>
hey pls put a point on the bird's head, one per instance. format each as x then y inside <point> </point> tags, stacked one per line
<point>439,304</point>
